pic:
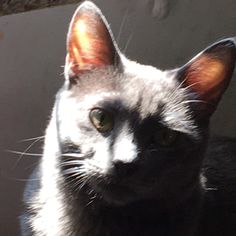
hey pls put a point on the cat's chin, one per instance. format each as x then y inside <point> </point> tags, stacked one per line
<point>114,194</point>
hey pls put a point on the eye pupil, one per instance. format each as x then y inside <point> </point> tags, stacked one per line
<point>167,137</point>
<point>101,119</point>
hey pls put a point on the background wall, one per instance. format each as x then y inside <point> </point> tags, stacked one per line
<point>32,51</point>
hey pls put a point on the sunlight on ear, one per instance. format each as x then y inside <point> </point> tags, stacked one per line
<point>207,73</point>
<point>80,27</point>
<point>80,42</point>
<point>215,73</point>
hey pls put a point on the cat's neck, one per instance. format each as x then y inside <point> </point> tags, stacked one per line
<point>144,217</point>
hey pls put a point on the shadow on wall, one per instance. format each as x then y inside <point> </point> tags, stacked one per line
<point>32,51</point>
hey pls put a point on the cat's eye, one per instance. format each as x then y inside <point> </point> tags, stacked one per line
<point>166,137</point>
<point>101,119</point>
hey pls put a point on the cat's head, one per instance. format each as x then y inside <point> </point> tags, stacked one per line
<point>129,131</point>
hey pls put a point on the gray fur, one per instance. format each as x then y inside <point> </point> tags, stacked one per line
<point>122,182</point>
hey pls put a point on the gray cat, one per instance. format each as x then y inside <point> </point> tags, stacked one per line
<point>126,151</point>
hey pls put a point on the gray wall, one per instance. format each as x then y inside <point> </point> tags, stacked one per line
<point>32,50</point>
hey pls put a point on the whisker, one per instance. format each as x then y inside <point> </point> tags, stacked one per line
<point>91,198</point>
<point>211,189</point>
<point>78,155</point>
<point>31,139</point>
<point>90,202</point>
<point>128,42</point>
<point>176,90</point>
<point>70,171</point>
<point>76,178</point>
<point>194,101</point>
<point>25,153</point>
<point>153,150</point>
<point>122,26</point>
<point>182,82</point>
<point>78,181</point>
<point>91,192</point>
<point>25,180</point>
<point>74,155</point>
<point>191,85</point>
<point>84,182</point>
<point>62,73</point>
<point>73,162</point>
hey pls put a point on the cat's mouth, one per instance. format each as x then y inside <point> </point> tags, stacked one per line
<point>114,193</point>
<point>114,187</point>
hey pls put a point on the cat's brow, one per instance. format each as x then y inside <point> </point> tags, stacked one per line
<point>101,96</point>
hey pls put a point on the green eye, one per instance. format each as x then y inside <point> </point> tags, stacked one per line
<point>167,137</point>
<point>101,119</point>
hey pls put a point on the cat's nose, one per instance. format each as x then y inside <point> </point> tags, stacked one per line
<point>122,169</point>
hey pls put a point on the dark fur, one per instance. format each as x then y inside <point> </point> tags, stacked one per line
<point>214,210</point>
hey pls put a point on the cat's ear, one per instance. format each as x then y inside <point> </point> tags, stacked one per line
<point>208,74</point>
<point>90,43</point>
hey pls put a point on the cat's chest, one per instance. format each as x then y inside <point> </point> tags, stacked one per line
<point>128,230</point>
<point>125,225</point>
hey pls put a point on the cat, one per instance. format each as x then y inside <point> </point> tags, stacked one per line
<point>127,149</point>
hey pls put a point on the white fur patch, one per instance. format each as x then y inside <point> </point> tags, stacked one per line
<point>125,149</point>
<point>101,158</point>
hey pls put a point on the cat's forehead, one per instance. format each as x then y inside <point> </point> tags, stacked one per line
<point>135,86</point>
<point>137,89</point>
<point>148,87</point>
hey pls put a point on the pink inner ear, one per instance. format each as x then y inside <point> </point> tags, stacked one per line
<point>89,42</point>
<point>207,76</point>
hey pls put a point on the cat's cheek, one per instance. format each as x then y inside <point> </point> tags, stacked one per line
<point>100,162</point>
